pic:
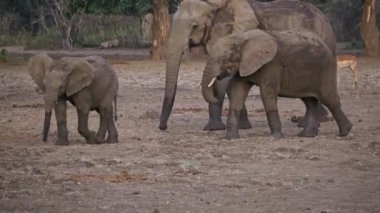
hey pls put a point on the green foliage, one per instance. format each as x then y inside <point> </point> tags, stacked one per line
<point>50,39</point>
<point>117,7</point>
<point>3,55</point>
<point>17,16</point>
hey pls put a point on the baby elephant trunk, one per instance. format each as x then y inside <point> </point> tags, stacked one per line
<point>46,126</point>
<point>208,83</point>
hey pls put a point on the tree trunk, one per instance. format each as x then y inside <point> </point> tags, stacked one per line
<point>160,28</point>
<point>369,30</point>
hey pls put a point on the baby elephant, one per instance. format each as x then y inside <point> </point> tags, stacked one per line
<point>286,64</point>
<point>89,83</point>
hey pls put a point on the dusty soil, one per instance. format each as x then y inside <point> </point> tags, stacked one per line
<point>185,169</point>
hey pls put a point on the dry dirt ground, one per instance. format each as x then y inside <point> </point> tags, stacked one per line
<point>185,169</point>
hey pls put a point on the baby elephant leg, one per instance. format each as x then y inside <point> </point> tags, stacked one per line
<point>215,111</point>
<point>269,93</point>
<point>106,114</point>
<point>311,119</point>
<point>238,91</point>
<point>112,131</point>
<point>320,111</point>
<point>332,101</point>
<point>83,126</point>
<point>60,115</point>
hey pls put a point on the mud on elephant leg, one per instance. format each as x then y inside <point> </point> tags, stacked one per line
<point>83,126</point>
<point>311,120</point>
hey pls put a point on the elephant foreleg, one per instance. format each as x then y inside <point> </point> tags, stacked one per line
<point>215,111</point>
<point>83,126</point>
<point>60,115</point>
<point>238,91</point>
<point>215,117</point>
<point>269,96</point>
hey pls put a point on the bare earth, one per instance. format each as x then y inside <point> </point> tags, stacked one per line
<point>185,169</point>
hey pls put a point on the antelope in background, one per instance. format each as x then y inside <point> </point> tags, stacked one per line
<point>349,61</point>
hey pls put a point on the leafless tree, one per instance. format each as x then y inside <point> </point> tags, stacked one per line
<point>67,24</point>
<point>160,28</point>
<point>369,30</point>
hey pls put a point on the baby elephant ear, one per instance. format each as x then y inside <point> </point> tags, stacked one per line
<point>258,49</point>
<point>81,74</point>
<point>38,65</point>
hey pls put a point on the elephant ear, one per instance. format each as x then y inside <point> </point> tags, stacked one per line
<point>38,65</point>
<point>258,49</point>
<point>245,17</point>
<point>81,74</point>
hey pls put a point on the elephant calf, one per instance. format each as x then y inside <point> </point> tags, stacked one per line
<point>288,64</point>
<point>89,83</point>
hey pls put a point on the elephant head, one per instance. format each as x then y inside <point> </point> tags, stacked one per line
<point>38,65</point>
<point>193,24</point>
<point>242,53</point>
<point>66,77</point>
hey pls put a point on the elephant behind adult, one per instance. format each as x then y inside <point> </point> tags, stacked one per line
<point>203,22</point>
<point>282,63</point>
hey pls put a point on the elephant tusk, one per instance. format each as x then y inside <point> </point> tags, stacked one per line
<point>212,82</point>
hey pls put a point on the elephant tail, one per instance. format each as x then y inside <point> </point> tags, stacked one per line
<point>115,105</point>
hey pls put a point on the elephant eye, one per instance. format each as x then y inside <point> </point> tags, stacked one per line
<point>195,26</point>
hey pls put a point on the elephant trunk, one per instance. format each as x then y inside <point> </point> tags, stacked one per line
<point>50,100</point>
<point>208,83</point>
<point>177,44</point>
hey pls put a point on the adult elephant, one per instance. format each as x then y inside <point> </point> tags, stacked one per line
<point>203,22</point>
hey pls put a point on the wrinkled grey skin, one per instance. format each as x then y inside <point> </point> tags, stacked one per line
<point>288,64</point>
<point>200,22</point>
<point>89,83</point>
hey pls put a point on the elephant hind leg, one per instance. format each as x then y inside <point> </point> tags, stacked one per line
<point>333,104</point>
<point>106,114</point>
<point>311,119</point>
<point>321,113</point>
<point>83,126</point>
<point>112,131</point>
<point>243,119</point>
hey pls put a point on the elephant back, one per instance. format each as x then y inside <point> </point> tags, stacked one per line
<point>284,15</point>
<point>298,51</point>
